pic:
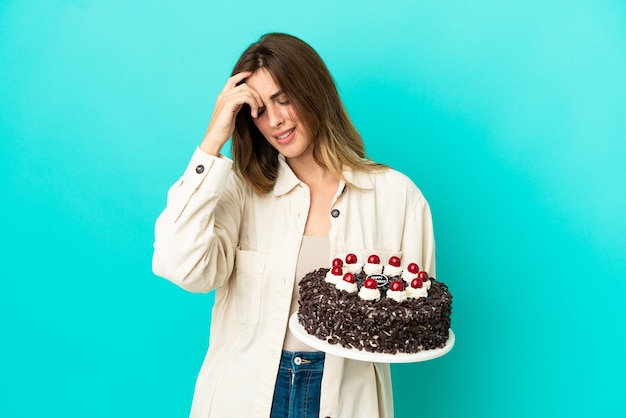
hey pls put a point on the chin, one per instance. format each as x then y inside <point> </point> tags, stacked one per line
<point>294,153</point>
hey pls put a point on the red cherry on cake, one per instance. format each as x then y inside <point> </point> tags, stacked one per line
<point>394,261</point>
<point>422,275</point>
<point>370,284</point>
<point>413,268</point>
<point>348,277</point>
<point>351,258</point>
<point>416,283</point>
<point>396,286</point>
<point>373,259</point>
<point>337,262</point>
<point>336,271</point>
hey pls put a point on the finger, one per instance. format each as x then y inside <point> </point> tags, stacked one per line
<point>243,94</point>
<point>236,79</point>
<point>230,103</point>
<point>255,104</point>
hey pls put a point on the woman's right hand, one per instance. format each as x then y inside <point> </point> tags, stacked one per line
<point>229,102</point>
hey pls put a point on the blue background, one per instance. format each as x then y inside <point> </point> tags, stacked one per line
<point>509,115</point>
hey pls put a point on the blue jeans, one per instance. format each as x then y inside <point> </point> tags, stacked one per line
<point>298,385</point>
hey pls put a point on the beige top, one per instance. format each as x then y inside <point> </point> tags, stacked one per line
<point>314,253</point>
<point>217,234</point>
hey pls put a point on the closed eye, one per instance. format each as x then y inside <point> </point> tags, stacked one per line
<point>280,97</point>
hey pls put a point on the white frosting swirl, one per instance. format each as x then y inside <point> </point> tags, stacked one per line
<point>369,294</point>
<point>408,277</point>
<point>348,287</point>
<point>331,278</point>
<point>420,292</point>
<point>392,270</point>
<point>397,295</point>
<point>354,268</point>
<point>370,268</point>
<point>426,284</point>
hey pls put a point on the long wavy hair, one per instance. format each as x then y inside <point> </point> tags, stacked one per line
<point>302,75</point>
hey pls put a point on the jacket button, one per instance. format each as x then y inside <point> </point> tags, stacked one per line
<point>200,169</point>
<point>335,213</point>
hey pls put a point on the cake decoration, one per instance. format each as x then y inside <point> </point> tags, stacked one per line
<point>393,268</point>
<point>351,264</point>
<point>423,276</point>
<point>380,279</point>
<point>416,289</point>
<point>411,272</point>
<point>373,265</point>
<point>396,291</point>
<point>369,290</point>
<point>347,284</point>
<point>334,275</point>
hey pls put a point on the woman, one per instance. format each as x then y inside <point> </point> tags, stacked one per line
<point>298,192</point>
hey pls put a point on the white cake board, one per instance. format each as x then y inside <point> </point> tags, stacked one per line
<point>352,353</point>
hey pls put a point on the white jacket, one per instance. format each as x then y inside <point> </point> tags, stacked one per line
<point>216,233</point>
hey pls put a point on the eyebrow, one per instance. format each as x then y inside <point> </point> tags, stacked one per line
<point>277,94</point>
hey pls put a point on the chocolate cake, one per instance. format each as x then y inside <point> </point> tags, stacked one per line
<point>379,309</point>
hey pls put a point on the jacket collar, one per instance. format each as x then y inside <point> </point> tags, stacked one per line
<point>287,180</point>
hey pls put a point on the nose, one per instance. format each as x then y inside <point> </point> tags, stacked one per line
<point>275,116</point>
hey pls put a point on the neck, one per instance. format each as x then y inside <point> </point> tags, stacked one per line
<point>309,171</point>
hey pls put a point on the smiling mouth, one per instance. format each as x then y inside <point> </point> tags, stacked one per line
<point>285,135</point>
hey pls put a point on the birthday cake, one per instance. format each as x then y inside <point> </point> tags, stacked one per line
<point>373,307</point>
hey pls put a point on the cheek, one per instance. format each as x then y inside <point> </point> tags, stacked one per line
<point>291,113</point>
<point>293,116</point>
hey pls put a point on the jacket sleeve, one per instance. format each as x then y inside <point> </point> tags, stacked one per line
<point>428,246</point>
<point>197,233</point>
<point>418,234</point>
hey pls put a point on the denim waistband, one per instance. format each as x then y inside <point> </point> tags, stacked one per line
<point>301,360</point>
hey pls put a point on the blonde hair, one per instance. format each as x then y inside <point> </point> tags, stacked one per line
<point>302,75</point>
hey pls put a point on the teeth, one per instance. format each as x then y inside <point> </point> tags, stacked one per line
<point>285,135</point>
